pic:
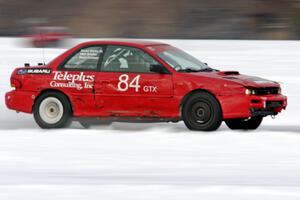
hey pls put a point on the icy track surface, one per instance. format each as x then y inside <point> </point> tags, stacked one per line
<point>157,161</point>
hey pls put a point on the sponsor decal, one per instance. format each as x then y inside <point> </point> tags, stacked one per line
<point>92,54</point>
<point>34,71</point>
<point>125,84</point>
<point>78,81</point>
<point>22,71</point>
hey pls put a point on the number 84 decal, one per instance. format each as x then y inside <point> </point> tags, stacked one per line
<point>124,84</point>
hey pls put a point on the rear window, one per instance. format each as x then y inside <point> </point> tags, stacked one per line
<point>85,59</point>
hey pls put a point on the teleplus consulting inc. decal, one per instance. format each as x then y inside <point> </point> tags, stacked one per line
<point>78,81</point>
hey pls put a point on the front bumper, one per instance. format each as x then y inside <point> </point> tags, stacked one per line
<point>20,101</point>
<point>245,106</point>
<point>267,105</point>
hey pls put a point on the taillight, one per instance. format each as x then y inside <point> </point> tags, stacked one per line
<point>15,83</point>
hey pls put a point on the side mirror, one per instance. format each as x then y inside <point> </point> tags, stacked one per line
<point>158,69</point>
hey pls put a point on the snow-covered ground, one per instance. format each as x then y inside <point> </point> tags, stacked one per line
<point>157,161</point>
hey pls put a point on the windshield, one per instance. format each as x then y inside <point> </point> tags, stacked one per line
<point>181,61</point>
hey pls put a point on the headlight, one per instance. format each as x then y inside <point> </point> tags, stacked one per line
<point>279,90</point>
<point>263,91</point>
<point>250,92</point>
<point>247,91</point>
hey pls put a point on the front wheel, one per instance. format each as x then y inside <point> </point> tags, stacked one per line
<point>202,112</point>
<point>52,110</point>
<point>244,124</point>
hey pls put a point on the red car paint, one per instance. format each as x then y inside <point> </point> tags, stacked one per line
<point>97,94</point>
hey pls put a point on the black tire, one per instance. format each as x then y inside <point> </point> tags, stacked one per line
<point>202,112</point>
<point>244,124</point>
<point>43,112</point>
<point>87,123</point>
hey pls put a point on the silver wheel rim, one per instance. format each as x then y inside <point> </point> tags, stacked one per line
<point>51,110</point>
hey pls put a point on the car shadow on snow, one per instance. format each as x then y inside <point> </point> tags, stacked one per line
<point>181,128</point>
<point>137,127</point>
<point>27,124</point>
<point>153,127</point>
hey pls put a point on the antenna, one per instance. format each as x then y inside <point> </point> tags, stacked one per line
<point>43,52</point>
<point>43,46</point>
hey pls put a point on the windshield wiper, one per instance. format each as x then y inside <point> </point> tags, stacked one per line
<point>187,70</point>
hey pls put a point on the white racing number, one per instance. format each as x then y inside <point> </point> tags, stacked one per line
<point>123,83</point>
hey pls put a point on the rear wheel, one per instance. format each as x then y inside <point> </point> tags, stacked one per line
<point>202,112</point>
<point>244,124</point>
<point>52,110</point>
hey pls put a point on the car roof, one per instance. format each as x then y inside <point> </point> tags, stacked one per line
<point>125,42</point>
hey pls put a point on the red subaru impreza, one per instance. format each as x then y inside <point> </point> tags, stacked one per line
<point>140,81</point>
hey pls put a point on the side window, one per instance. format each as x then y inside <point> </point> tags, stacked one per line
<point>126,59</point>
<point>85,59</point>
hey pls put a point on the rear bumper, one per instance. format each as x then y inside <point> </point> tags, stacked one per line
<point>245,106</point>
<point>20,101</point>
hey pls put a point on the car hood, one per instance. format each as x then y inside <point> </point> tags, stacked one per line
<point>236,77</point>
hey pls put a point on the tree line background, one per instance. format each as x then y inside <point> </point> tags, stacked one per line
<point>190,19</point>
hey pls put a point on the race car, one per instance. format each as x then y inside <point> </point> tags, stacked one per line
<point>143,81</point>
<point>47,36</point>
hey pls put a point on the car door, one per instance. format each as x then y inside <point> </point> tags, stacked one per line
<point>126,86</point>
<point>76,77</point>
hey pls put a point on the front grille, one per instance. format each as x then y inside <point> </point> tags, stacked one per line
<point>266,91</point>
<point>261,112</point>
<point>270,109</point>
